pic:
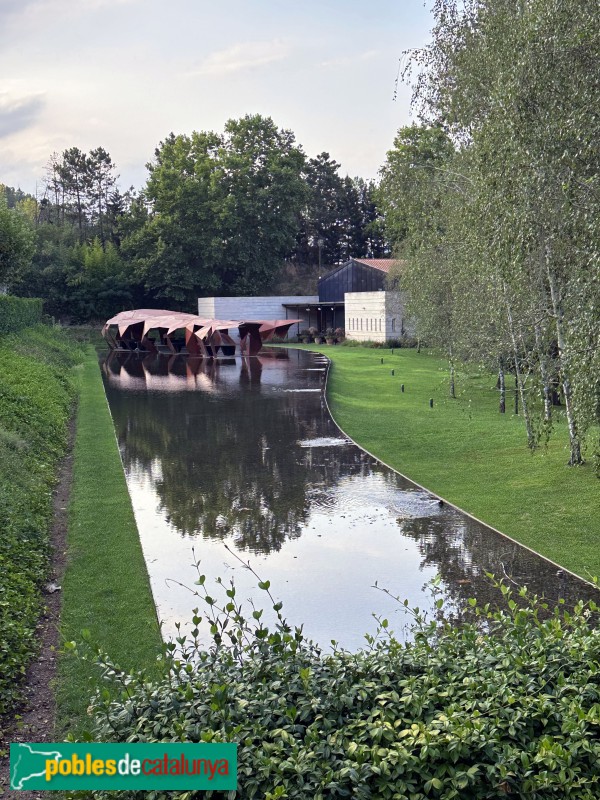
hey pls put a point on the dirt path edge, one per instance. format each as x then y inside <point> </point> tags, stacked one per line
<point>35,720</point>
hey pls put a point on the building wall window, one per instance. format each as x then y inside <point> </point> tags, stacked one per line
<point>393,324</point>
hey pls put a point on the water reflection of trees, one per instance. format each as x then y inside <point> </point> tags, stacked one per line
<point>229,463</point>
<point>463,552</point>
<point>226,461</point>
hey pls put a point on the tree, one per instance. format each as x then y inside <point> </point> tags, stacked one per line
<point>222,211</point>
<point>373,241</point>
<point>260,192</point>
<point>101,184</point>
<point>76,266</point>
<point>78,192</point>
<point>513,83</point>
<point>341,218</point>
<point>72,172</point>
<point>319,237</point>
<point>418,209</point>
<point>17,242</point>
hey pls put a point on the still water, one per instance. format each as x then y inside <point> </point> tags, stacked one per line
<point>243,452</point>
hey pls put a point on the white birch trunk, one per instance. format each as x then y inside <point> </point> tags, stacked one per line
<point>518,375</point>
<point>544,374</point>
<point>557,307</point>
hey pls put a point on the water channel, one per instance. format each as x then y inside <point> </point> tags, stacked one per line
<point>243,452</point>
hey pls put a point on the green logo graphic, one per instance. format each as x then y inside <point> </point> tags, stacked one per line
<point>62,766</point>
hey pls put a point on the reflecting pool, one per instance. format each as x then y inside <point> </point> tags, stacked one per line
<point>243,452</point>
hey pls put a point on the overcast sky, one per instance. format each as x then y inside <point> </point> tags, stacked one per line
<point>123,74</point>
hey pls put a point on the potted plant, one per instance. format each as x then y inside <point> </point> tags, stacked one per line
<point>330,336</point>
<point>340,334</point>
<point>305,336</point>
<point>319,337</point>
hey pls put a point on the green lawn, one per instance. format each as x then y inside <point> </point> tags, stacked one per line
<point>106,588</point>
<point>466,452</point>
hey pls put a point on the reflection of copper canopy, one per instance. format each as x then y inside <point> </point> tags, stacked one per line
<point>201,337</point>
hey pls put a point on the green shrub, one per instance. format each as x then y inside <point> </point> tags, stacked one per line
<point>507,704</point>
<point>402,341</point>
<point>280,339</point>
<point>36,396</point>
<point>17,313</point>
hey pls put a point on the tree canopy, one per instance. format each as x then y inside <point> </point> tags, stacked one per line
<point>235,212</point>
<point>17,241</point>
<point>512,85</point>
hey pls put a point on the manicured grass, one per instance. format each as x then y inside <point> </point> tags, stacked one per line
<point>106,587</point>
<point>467,452</point>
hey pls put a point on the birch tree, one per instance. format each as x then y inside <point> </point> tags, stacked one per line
<point>515,82</point>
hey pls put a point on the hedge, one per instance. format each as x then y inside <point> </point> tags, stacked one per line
<point>17,313</point>
<point>506,704</point>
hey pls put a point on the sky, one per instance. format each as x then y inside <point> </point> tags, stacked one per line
<point>123,74</point>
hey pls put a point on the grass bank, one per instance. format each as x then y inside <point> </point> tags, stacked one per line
<point>37,392</point>
<point>106,588</point>
<point>467,452</point>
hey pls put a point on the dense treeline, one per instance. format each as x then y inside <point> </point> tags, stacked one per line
<point>221,213</point>
<point>495,198</point>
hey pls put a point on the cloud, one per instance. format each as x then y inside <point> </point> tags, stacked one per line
<point>17,114</point>
<point>241,57</point>
<point>344,61</point>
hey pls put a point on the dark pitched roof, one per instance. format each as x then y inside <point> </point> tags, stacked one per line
<point>382,264</point>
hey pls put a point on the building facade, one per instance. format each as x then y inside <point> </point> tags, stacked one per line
<point>281,307</point>
<point>370,312</point>
<point>351,296</point>
<point>374,316</point>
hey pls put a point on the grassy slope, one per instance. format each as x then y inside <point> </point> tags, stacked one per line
<point>106,587</point>
<point>467,452</point>
<point>37,389</point>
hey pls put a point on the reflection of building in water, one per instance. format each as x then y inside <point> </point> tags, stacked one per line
<point>176,373</point>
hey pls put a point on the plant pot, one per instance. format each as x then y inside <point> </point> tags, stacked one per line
<point>330,340</point>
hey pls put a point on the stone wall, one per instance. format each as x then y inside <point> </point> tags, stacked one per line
<point>374,316</point>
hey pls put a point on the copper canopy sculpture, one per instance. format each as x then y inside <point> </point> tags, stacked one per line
<point>201,337</point>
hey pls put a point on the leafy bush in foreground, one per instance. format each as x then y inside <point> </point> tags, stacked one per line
<point>456,713</point>
<point>36,395</point>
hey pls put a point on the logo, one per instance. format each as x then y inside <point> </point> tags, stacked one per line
<point>69,767</point>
